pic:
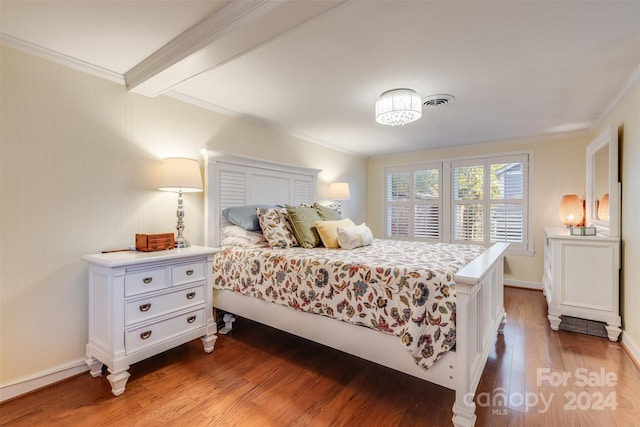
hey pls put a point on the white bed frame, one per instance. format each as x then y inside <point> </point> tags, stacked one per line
<point>232,180</point>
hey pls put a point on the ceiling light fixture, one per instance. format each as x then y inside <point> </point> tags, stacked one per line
<point>398,107</point>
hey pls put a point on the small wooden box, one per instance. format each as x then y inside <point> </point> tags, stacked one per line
<point>154,242</point>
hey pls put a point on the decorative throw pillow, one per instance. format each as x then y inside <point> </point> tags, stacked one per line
<point>326,213</point>
<point>244,216</point>
<point>328,231</point>
<point>354,237</point>
<point>303,222</point>
<point>276,228</point>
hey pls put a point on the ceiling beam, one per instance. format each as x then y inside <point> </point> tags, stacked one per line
<point>232,31</point>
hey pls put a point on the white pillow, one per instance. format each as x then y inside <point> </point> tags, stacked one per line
<point>235,231</point>
<point>239,241</point>
<point>328,231</point>
<point>354,237</point>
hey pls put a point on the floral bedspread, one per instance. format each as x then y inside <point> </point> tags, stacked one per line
<point>398,287</point>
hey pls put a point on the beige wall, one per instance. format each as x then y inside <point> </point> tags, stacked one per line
<point>626,118</point>
<point>79,166</point>
<point>558,168</point>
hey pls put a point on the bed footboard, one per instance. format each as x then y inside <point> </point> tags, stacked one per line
<point>480,315</point>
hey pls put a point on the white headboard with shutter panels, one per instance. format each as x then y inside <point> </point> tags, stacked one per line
<point>232,180</point>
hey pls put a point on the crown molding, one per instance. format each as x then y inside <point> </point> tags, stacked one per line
<point>187,99</point>
<point>631,81</point>
<point>59,58</point>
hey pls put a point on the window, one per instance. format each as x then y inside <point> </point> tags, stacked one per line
<point>489,203</point>
<point>507,204</point>
<point>414,203</point>
<point>480,200</point>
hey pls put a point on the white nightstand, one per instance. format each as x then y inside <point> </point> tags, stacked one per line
<point>581,278</point>
<point>143,303</point>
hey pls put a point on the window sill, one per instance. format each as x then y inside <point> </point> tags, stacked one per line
<point>521,252</point>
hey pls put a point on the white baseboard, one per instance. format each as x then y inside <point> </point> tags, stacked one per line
<point>632,348</point>
<point>42,379</point>
<point>523,284</point>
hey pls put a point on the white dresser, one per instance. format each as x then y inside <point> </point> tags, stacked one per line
<point>143,303</point>
<point>581,278</point>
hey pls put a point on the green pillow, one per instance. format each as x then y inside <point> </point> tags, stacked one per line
<point>326,213</point>
<point>303,222</point>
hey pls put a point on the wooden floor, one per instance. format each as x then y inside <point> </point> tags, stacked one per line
<point>258,376</point>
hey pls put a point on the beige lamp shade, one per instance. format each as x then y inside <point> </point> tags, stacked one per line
<point>180,174</point>
<point>603,208</point>
<point>339,191</point>
<point>571,210</point>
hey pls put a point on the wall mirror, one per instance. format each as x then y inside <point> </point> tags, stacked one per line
<point>603,189</point>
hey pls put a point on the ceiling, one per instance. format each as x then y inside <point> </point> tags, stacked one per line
<point>314,69</point>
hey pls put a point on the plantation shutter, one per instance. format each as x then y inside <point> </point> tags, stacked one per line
<point>468,202</point>
<point>485,200</point>
<point>398,204</point>
<point>426,204</point>
<point>507,206</point>
<point>414,202</point>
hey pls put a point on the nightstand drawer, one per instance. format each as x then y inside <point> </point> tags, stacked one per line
<point>188,272</point>
<point>139,338</point>
<point>141,281</point>
<point>147,308</point>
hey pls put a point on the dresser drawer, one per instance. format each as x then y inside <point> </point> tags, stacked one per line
<point>147,280</point>
<point>139,338</point>
<point>147,308</point>
<point>188,272</point>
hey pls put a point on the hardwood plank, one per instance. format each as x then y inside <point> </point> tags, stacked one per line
<point>261,376</point>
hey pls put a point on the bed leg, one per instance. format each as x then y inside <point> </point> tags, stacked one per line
<point>228,323</point>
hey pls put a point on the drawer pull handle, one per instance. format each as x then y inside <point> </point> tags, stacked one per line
<point>191,319</point>
<point>147,279</point>
<point>190,295</point>
<point>145,307</point>
<point>146,334</point>
<point>189,272</point>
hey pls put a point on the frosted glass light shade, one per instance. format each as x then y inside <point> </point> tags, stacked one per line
<point>180,174</point>
<point>398,107</point>
<point>571,210</point>
<point>339,191</point>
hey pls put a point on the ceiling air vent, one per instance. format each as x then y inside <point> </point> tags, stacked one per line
<point>437,100</point>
